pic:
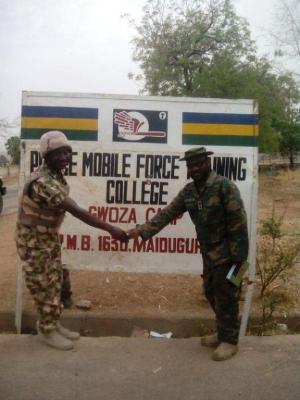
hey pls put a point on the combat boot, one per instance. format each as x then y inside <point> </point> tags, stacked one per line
<point>54,339</point>
<point>210,341</point>
<point>225,351</point>
<point>66,332</point>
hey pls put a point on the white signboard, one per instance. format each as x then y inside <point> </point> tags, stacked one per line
<point>125,168</point>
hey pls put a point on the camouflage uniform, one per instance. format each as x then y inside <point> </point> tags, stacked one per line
<point>221,225</point>
<point>38,243</point>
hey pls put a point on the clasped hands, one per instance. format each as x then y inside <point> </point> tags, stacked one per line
<point>123,236</point>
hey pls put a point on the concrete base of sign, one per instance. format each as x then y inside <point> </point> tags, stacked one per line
<point>124,324</point>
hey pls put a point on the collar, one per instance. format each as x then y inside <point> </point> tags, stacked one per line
<point>211,178</point>
<point>55,175</point>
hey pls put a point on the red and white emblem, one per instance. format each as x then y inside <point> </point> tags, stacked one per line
<point>133,125</point>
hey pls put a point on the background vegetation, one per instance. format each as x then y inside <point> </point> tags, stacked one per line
<point>202,48</point>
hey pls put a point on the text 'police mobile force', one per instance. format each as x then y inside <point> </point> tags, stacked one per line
<point>146,166</point>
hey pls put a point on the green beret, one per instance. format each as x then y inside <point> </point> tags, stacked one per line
<point>196,152</point>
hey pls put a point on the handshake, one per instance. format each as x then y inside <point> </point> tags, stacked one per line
<point>119,234</point>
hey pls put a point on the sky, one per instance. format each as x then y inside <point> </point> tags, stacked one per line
<point>83,45</point>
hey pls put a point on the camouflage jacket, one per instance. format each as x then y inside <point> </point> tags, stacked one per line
<point>47,189</point>
<point>218,215</point>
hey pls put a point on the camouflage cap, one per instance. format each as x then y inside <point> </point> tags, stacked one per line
<point>53,140</point>
<point>196,152</point>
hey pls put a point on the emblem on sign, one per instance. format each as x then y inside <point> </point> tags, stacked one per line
<point>144,126</point>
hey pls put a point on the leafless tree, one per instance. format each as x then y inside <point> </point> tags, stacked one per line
<point>7,125</point>
<point>287,28</point>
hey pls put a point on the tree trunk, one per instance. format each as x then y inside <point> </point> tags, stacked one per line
<point>292,161</point>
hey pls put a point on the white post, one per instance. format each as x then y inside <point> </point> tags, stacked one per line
<point>19,294</point>
<point>252,251</point>
<point>18,316</point>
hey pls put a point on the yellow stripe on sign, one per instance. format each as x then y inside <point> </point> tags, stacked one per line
<point>220,129</point>
<point>60,123</point>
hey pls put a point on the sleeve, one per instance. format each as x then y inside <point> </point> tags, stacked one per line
<point>236,222</point>
<point>163,217</point>
<point>48,193</point>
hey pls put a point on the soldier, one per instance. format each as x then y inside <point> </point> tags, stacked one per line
<point>217,211</point>
<point>42,208</point>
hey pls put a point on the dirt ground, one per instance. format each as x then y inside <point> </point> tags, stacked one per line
<point>143,294</point>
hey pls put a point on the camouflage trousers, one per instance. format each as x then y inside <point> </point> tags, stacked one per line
<point>43,277</point>
<point>223,297</point>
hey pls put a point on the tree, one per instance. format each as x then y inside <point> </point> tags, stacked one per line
<point>287,28</point>
<point>253,78</point>
<point>8,128</point>
<point>277,256</point>
<point>13,148</point>
<point>290,137</point>
<point>177,39</point>
<point>202,48</point>
<point>6,124</point>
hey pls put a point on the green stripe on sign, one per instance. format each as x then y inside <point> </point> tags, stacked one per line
<point>35,134</point>
<point>249,141</point>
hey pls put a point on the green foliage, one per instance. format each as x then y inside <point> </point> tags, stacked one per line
<point>13,149</point>
<point>203,48</point>
<point>272,228</point>
<point>270,305</point>
<point>276,258</point>
<point>253,78</point>
<point>177,39</point>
